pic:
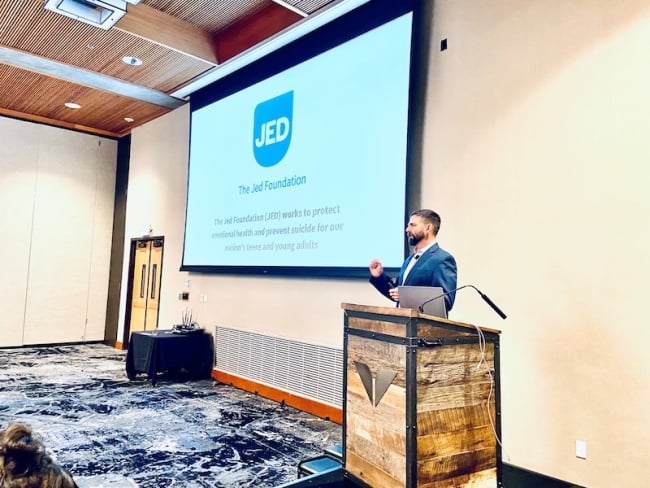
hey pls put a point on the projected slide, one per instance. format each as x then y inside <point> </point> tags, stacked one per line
<point>306,168</point>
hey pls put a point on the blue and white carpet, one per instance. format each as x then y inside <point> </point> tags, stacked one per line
<point>115,433</point>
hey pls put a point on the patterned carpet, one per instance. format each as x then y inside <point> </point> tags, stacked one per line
<point>110,432</point>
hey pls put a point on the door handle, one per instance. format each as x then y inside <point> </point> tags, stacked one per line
<point>154,271</point>
<point>143,280</point>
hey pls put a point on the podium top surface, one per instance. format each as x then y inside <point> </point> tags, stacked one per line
<point>412,313</point>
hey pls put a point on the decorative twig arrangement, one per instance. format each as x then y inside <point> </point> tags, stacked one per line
<point>187,318</point>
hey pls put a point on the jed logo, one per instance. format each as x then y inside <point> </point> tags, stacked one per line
<point>376,387</point>
<point>272,129</point>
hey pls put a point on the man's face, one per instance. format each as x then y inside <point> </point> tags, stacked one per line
<point>416,229</point>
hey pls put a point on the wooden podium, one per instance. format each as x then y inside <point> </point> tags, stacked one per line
<point>421,406</point>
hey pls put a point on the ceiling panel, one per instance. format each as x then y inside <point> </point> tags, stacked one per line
<point>47,59</point>
<point>25,92</point>
<point>209,15</point>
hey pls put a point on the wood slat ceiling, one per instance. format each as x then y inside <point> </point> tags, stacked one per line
<point>177,40</point>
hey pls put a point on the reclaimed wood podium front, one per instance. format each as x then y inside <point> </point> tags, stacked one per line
<point>421,406</point>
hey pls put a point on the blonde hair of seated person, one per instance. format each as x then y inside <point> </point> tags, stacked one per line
<point>24,463</point>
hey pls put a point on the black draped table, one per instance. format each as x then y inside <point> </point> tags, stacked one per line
<point>166,351</point>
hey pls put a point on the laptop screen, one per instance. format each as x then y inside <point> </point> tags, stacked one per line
<point>416,296</point>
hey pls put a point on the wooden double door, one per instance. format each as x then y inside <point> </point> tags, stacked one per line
<point>146,270</point>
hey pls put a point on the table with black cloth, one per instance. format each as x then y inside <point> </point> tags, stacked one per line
<point>165,351</point>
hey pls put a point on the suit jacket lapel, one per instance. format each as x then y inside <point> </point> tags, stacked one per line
<point>420,262</point>
<point>400,277</point>
<point>428,254</point>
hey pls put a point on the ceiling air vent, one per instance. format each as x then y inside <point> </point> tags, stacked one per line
<point>100,13</point>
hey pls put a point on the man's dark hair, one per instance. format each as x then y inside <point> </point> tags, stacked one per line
<point>430,217</point>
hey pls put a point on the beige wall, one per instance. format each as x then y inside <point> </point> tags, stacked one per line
<point>18,163</point>
<point>156,200</point>
<point>535,154</point>
<point>56,214</point>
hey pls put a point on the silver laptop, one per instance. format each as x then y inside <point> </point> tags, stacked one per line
<point>416,296</point>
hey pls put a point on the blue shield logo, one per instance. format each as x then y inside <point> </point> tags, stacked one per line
<point>272,127</point>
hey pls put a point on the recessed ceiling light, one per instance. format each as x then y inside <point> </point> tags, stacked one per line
<point>132,60</point>
<point>72,105</point>
<point>129,119</point>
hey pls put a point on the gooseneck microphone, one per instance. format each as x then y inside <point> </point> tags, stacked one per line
<point>483,296</point>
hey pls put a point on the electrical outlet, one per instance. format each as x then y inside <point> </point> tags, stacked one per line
<point>581,449</point>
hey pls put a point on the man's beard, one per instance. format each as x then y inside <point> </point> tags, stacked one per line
<point>414,239</point>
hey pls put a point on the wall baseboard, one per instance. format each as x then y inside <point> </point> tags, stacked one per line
<point>515,477</point>
<point>308,405</point>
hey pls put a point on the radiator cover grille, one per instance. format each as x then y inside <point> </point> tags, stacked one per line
<point>304,369</point>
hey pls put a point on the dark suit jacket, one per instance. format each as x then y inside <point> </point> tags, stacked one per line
<point>436,267</point>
